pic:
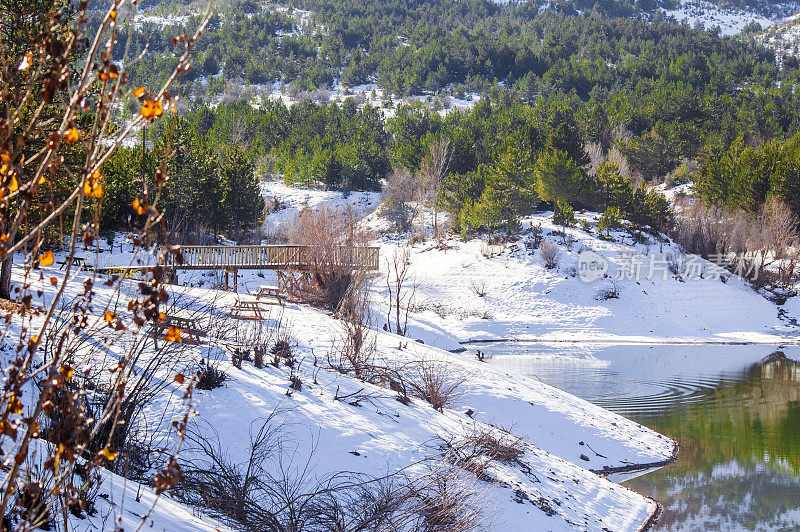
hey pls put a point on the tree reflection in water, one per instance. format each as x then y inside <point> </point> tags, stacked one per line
<point>739,465</point>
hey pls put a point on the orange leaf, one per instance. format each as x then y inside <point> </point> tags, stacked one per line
<point>13,186</point>
<point>112,15</point>
<point>179,378</point>
<point>93,187</point>
<point>53,281</point>
<point>109,316</point>
<point>173,335</point>
<point>139,92</point>
<point>103,76</point>
<point>46,259</point>
<point>109,454</point>
<point>72,136</point>
<point>66,372</point>
<point>151,109</point>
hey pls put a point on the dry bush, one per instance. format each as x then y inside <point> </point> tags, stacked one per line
<point>480,446</point>
<point>446,500</point>
<point>256,337</point>
<point>490,250</point>
<point>264,492</point>
<point>763,247</point>
<point>210,377</point>
<point>335,244</point>
<point>550,254</point>
<point>353,352</point>
<point>398,197</point>
<point>497,444</point>
<point>435,383</point>
<point>616,157</point>
<point>434,168</point>
<point>399,297</point>
<point>478,288</point>
<point>611,291</point>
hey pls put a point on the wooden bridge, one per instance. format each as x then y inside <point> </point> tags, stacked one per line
<point>292,258</point>
<point>284,259</point>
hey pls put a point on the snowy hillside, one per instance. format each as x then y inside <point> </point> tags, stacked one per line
<point>333,427</point>
<point>708,15</point>
<point>470,290</point>
<point>783,37</point>
<point>328,422</point>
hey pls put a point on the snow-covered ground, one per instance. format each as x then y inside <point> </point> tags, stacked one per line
<point>463,291</point>
<point>783,37</point>
<point>549,488</point>
<point>708,15</point>
<point>524,300</point>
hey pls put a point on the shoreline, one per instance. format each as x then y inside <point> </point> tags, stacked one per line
<point>612,342</point>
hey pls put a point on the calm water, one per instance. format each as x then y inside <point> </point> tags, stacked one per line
<point>734,409</point>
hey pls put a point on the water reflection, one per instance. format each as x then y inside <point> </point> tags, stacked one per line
<point>735,410</point>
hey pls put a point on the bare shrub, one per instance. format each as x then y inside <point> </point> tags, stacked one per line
<point>446,500</point>
<point>761,247</point>
<point>400,299</point>
<point>497,444</point>
<point>550,254</point>
<point>490,250</point>
<point>334,242</point>
<point>611,291</point>
<point>475,451</point>
<point>264,493</point>
<point>354,351</point>
<point>435,383</point>
<point>434,168</point>
<point>398,197</point>
<point>210,377</point>
<point>616,157</point>
<point>478,288</point>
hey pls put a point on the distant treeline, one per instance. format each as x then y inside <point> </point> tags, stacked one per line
<point>411,47</point>
<point>591,100</point>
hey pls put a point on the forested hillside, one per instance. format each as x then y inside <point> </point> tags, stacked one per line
<point>598,106</point>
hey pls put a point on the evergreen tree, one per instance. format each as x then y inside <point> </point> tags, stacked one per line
<point>242,202</point>
<point>557,176</point>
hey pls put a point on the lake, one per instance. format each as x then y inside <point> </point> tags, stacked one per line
<point>734,409</point>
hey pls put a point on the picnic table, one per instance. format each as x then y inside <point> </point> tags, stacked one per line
<point>80,262</point>
<point>270,292</point>
<point>190,331</point>
<point>250,310</point>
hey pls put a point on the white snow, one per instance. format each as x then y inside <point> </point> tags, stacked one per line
<point>526,301</point>
<point>564,437</point>
<point>708,15</point>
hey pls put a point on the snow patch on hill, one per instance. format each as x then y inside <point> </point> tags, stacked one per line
<point>709,15</point>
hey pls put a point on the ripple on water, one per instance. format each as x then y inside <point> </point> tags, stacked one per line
<point>654,397</point>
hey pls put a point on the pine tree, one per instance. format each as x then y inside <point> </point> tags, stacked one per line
<point>557,176</point>
<point>242,201</point>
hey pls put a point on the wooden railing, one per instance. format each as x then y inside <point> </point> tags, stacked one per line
<point>274,257</point>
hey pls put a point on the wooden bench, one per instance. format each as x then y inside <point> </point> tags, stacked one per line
<point>190,332</point>
<point>270,292</point>
<point>250,310</point>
